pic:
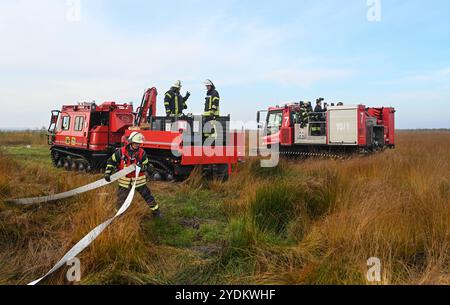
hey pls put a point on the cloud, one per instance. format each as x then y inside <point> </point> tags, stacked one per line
<point>306,77</point>
<point>430,76</point>
<point>47,61</point>
<point>441,75</point>
<point>421,108</point>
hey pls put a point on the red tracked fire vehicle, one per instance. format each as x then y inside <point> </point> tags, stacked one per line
<point>83,136</point>
<point>339,129</point>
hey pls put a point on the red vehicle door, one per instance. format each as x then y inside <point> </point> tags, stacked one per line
<point>80,131</point>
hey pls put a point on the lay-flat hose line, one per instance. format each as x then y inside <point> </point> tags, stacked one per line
<point>77,191</point>
<point>91,236</point>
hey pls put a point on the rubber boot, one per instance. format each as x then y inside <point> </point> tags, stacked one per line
<point>157,214</point>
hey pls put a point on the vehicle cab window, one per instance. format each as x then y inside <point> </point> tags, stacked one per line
<point>79,121</point>
<point>65,123</point>
<point>274,121</point>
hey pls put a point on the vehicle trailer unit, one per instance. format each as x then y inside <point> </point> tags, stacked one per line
<point>177,145</point>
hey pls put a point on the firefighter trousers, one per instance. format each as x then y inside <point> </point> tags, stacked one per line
<point>144,191</point>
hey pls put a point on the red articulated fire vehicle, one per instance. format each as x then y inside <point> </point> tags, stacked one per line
<point>84,136</point>
<point>337,130</point>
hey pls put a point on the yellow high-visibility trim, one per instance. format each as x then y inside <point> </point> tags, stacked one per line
<point>114,157</point>
<point>168,94</point>
<point>155,208</point>
<point>176,104</point>
<point>126,182</point>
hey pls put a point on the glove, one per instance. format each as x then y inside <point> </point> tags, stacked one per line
<point>108,177</point>
<point>188,94</point>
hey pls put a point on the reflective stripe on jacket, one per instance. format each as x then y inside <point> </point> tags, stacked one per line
<point>174,102</point>
<point>125,157</point>
<point>212,103</point>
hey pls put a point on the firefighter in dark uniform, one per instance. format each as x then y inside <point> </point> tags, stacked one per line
<point>309,107</point>
<point>212,108</point>
<point>125,157</point>
<point>174,102</point>
<point>319,108</point>
<point>212,100</point>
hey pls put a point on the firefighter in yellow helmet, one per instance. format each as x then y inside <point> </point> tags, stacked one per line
<point>125,157</point>
<point>174,102</point>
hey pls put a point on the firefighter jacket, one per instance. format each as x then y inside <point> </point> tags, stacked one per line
<point>125,157</point>
<point>319,109</point>
<point>212,103</point>
<point>174,102</point>
<point>304,117</point>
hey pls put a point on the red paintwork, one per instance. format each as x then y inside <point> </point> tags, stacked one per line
<point>285,136</point>
<point>95,138</point>
<point>385,117</point>
<point>149,103</point>
<point>362,130</point>
<point>193,155</point>
<point>286,131</point>
<point>106,135</point>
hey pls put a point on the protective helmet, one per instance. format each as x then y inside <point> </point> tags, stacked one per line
<point>136,137</point>
<point>177,84</point>
<point>208,82</point>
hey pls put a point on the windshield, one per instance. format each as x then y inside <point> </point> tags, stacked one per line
<point>274,121</point>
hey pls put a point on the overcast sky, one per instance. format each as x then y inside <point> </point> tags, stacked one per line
<point>259,53</point>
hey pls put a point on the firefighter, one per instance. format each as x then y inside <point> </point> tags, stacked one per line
<point>125,157</point>
<point>212,100</point>
<point>318,105</point>
<point>309,107</point>
<point>174,102</point>
<point>303,114</point>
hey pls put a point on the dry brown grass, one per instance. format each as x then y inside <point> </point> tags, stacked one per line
<point>30,137</point>
<point>394,205</point>
<point>32,239</point>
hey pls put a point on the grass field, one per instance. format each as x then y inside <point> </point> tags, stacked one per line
<point>304,222</point>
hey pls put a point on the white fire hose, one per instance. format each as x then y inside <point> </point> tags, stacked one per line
<point>91,236</point>
<point>80,190</point>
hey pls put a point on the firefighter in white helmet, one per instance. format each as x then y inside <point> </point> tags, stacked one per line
<point>212,100</point>
<point>125,157</point>
<point>174,102</point>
